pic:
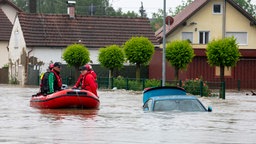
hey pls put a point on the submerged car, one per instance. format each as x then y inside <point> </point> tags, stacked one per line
<point>177,103</point>
<point>171,99</point>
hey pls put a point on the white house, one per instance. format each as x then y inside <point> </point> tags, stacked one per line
<point>39,39</point>
<point>8,12</point>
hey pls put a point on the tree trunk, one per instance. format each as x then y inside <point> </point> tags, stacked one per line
<point>137,71</point>
<point>221,80</point>
<point>77,73</point>
<point>176,74</point>
<point>110,75</point>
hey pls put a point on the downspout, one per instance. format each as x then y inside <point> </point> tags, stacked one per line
<point>224,20</point>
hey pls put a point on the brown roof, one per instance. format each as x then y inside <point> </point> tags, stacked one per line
<point>5,24</point>
<point>5,27</point>
<point>190,10</point>
<point>92,31</point>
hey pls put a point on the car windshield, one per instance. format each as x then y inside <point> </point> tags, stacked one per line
<point>178,105</point>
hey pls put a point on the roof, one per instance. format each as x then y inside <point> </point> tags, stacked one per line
<point>5,23</point>
<point>11,4</point>
<point>5,27</point>
<point>190,10</point>
<point>52,30</point>
<point>175,97</point>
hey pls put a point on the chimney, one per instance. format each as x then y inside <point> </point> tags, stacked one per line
<point>32,6</point>
<point>71,8</point>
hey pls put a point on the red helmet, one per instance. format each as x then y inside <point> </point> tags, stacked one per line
<point>86,67</point>
<point>51,66</point>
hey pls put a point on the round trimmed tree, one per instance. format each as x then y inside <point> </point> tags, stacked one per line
<point>138,50</point>
<point>223,53</point>
<point>111,57</point>
<point>179,53</point>
<point>76,55</point>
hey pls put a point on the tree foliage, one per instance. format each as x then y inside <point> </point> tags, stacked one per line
<point>76,55</point>
<point>111,57</point>
<point>138,50</point>
<point>83,7</point>
<point>179,54</point>
<point>223,53</point>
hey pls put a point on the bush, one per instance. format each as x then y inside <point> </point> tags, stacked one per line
<point>194,86</point>
<point>152,83</point>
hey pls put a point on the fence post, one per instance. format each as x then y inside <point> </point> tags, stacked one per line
<point>112,82</point>
<point>222,91</point>
<point>238,85</point>
<point>127,87</point>
<point>201,88</point>
<point>143,84</point>
<point>180,83</point>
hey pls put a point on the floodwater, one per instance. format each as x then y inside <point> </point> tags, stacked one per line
<point>121,120</point>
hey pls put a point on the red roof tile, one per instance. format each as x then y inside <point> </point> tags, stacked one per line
<point>93,31</point>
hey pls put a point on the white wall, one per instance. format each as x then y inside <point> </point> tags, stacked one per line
<point>9,11</point>
<point>51,55</point>
<point>3,53</point>
<point>17,47</point>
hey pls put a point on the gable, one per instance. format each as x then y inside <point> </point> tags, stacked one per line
<point>198,8</point>
<point>93,31</point>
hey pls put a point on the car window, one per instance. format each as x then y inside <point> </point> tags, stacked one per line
<point>178,105</point>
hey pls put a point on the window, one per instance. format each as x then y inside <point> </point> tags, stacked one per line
<point>241,37</point>
<point>203,37</point>
<point>217,8</point>
<point>227,71</point>
<point>187,36</point>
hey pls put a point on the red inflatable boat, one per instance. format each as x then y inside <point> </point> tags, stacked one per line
<point>68,98</point>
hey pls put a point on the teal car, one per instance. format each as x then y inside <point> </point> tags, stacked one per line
<point>180,103</point>
<point>171,99</point>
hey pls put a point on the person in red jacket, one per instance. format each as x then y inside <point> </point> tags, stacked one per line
<point>87,80</point>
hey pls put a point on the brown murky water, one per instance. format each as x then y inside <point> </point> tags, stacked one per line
<point>121,120</point>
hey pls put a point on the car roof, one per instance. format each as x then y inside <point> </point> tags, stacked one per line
<point>175,97</point>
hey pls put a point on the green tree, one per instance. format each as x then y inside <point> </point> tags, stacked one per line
<point>76,55</point>
<point>248,6</point>
<point>179,54</point>
<point>157,18</point>
<point>223,53</point>
<point>83,7</point>
<point>138,50</point>
<point>111,57</point>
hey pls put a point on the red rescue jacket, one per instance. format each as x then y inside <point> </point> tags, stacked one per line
<point>87,82</point>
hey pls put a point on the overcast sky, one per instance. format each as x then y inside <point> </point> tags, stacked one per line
<point>149,5</point>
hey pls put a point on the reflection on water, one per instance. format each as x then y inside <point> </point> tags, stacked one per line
<point>120,120</point>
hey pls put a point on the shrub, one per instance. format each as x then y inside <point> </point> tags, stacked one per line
<point>194,86</point>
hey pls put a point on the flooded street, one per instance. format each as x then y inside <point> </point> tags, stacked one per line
<point>121,120</point>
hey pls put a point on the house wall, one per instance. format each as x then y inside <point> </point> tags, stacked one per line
<point>238,23</point>
<point>17,55</point>
<point>4,53</point>
<point>207,21</point>
<point>47,55</point>
<point>243,74</point>
<point>10,12</point>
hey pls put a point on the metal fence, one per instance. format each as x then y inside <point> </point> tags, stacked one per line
<point>196,87</point>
